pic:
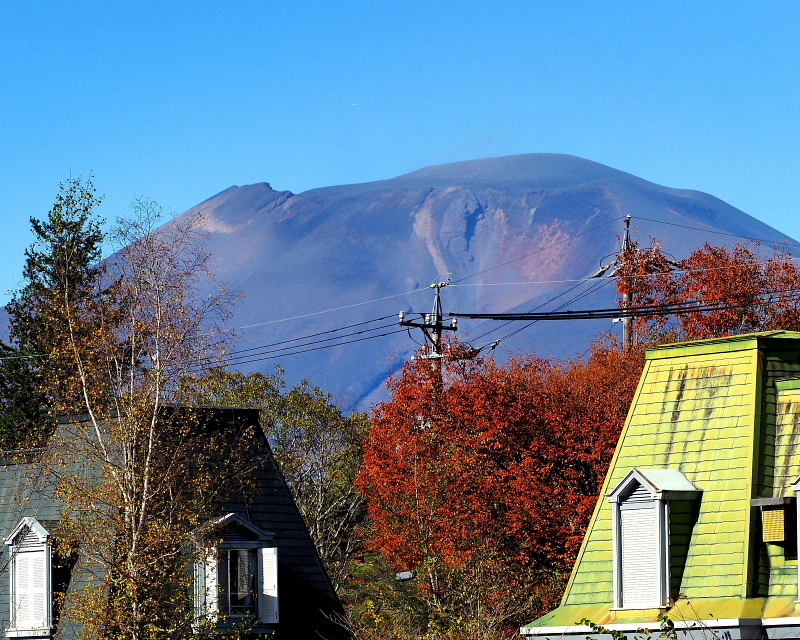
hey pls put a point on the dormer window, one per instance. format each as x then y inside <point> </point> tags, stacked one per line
<point>30,580</point>
<point>239,578</point>
<point>641,507</point>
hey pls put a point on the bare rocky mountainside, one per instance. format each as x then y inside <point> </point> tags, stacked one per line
<point>536,218</point>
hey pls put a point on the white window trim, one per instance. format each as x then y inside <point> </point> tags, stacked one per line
<point>662,554</point>
<point>795,486</point>
<point>207,601</point>
<point>663,485</point>
<point>227,587</point>
<point>42,546</point>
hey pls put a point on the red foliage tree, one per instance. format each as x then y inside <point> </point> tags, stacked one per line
<point>500,462</point>
<point>757,294</point>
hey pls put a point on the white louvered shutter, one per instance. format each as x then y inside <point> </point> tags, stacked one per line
<point>31,597</point>
<point>268,586</point>
<point>640,570</point>
<point>21,599</point>
<point>210,593</point>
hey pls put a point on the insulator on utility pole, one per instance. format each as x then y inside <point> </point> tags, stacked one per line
<point>433,326</point>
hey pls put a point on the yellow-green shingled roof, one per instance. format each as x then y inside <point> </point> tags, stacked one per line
<point>712,410</point>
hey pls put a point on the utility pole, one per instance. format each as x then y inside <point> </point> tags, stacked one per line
<point>627,298</point>
<point>433,327</point>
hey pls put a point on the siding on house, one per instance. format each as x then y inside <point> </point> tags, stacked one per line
<point>726,413</point>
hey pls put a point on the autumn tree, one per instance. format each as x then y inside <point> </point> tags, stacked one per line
<point>468,480</point>
<point>61,271</point>
<point>751,293</point>
<point>149,479</point>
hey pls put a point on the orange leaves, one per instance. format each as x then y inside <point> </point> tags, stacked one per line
<point>511,456</point>
<point>758,294</point>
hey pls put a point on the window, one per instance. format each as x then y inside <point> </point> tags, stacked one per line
<point>239,579</point>
<point>795,486</point>
<point>30,580</point>
<point>238,571</point>
<point>641,535</point>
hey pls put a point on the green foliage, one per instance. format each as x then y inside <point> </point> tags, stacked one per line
<point>59,274</point>
<point>601,630</point>
<point>667,630</point>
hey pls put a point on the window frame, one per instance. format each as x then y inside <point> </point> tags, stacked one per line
<point>795,486</point>
<point>226,590</point>
<point>43,547</point>
<point>209,593</point>
<point>662,486</point>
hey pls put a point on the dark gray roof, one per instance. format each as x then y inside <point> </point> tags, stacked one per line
<point>269,506</point>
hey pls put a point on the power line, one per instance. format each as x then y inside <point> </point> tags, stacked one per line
<point>317,313</point>
<point>546,302</point>
<point>580,296</point>
<point>593,289</point>
<point>313,335</point>
<point>722,233</point>
<point>327,346</point>
<point>665,309</point>
<point>238,359</point>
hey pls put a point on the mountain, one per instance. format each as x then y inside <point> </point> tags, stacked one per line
<point>545,218</point>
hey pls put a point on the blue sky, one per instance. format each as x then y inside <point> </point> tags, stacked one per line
<point>177,101</point>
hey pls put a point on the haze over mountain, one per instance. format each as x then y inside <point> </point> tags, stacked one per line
<point>537,218</point>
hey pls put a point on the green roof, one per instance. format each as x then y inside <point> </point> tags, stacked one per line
<point>726,414</point>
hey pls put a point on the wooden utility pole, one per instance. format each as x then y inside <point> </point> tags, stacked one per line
<point>433,327</point>
<point>627,298</point>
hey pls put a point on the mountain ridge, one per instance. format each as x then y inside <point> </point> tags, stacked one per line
<point>544,218</point>
<point>513,233</point>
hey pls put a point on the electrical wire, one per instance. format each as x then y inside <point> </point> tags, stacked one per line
<point>622,312</point>
<point>661,309</point>
<point>546,302</point>
<point>313,335</point>
<point>238,359</point>
<point>580,296</point>
<point>317,313</point>
<point>722,233</point>
<point>591,290</point>
<point>327,346</point>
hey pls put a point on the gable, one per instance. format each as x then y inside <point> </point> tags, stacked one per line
<point>636,492</point>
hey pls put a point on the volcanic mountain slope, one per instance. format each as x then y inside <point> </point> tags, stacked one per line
<point>537,221</point>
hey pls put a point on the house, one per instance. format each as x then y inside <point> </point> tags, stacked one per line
<point>697,518</point>
<point>265,569</point>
